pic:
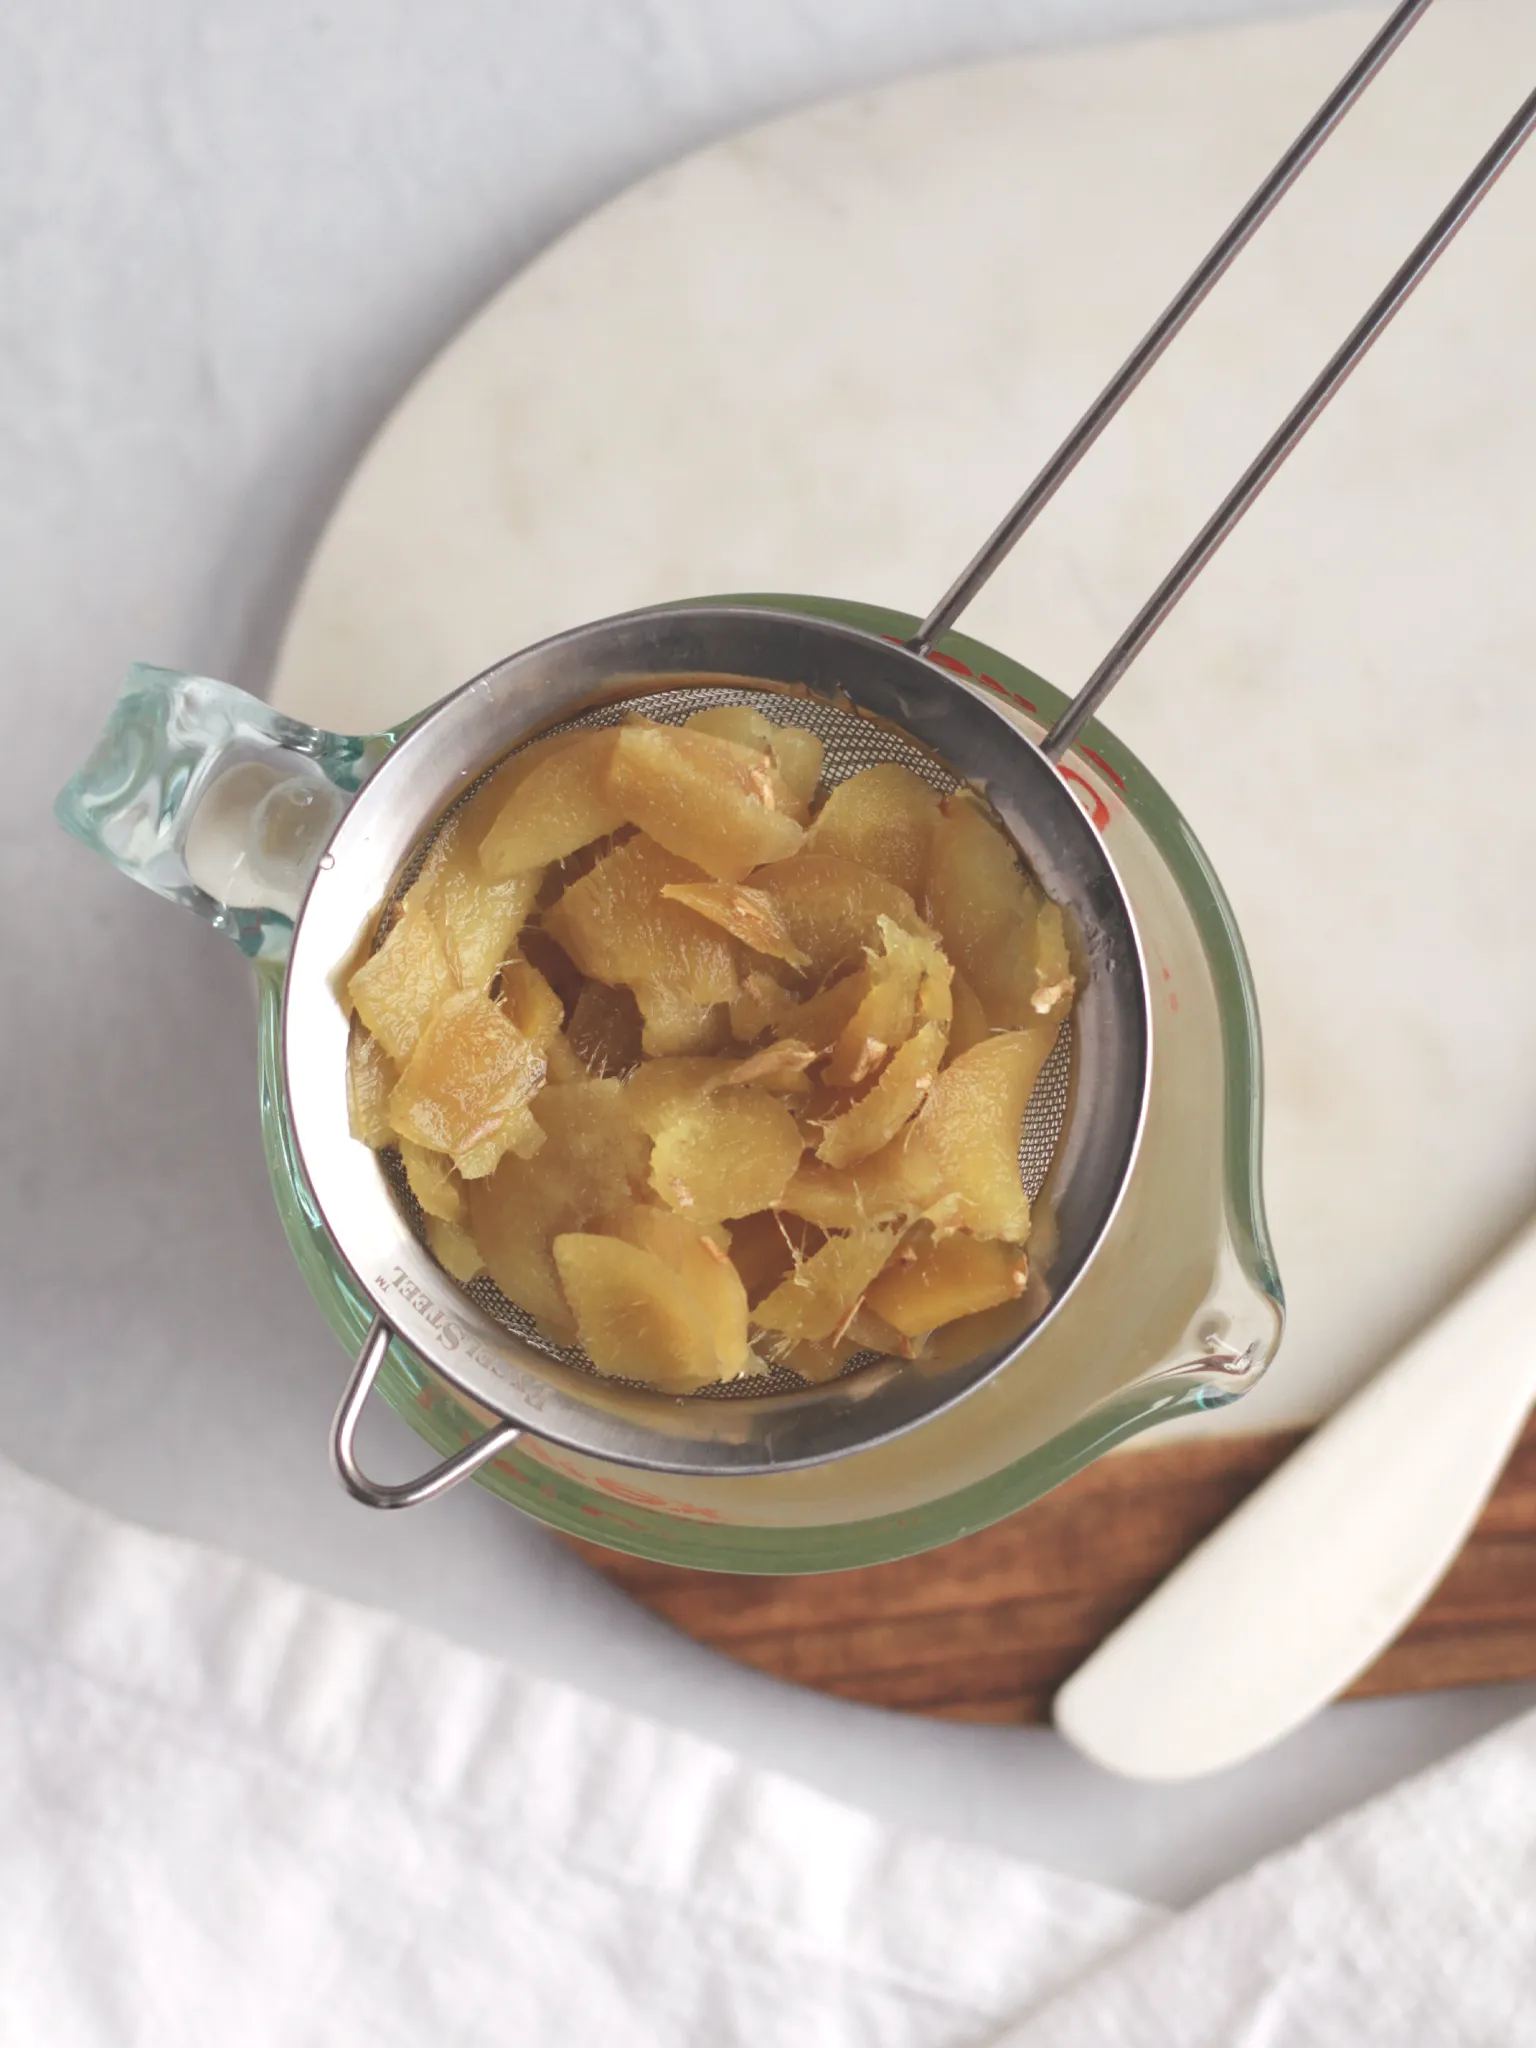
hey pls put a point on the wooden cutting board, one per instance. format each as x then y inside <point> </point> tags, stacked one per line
<point>987,1628</point>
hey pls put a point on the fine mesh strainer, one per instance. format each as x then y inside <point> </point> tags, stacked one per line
<point>870,701</point>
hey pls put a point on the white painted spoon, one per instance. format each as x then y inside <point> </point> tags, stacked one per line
<point>1299,1590</point>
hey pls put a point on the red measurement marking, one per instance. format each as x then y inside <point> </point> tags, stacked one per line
<point>1173,1002</point>
<point>1099,761</point>
<point>1003,690</point>
<point>1097,809</point>
<point>1167,974</point>
<point>632,1496</point>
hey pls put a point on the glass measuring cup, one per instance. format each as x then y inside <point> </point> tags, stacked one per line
<point>1179,1308</point>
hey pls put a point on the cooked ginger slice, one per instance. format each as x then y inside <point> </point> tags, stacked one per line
<point>882,819</point>
<point>765,1247</point>
<point>821,1296</point>
<point>530,1004</point>
<point>466,1087</point>
<point>563,802</point>
<point>514,1218</point>
<point>798,753</point>
<point>454,1249</point>
<point>757,1005</point>
<point>604,1030</point>
<point>861,1049</point>
<point>518,1132</point>
<point>745,727</point>
<point>595,1156</point>
<point>816,1363</point>
<point>661,1090</point>
<point>827,1358</point>
<point>480,921</point>
<point>961,1155</point>
<point>564,1063</point>
<point>592,1161</point>
<point>779,1068</point>
<point>727,1155</point>
<point>935,992</point>
<point>701,1261</point>
<point>477,919</point>
<point>370,1076</point>
<point>747,914</point>
<point>619,928</point>
<point>953,1276</point>
<point>869,1331</point>
<point>985,909</point>
<point>742,724</point>
<point>895,1098</point>
<point>832,909</point>
<point>1054,982</point>
<point>672,1024</point>
<point>478,813</point>
<point>634,1313</point>
<point>398,988</point>
<point>968,1025</point>
<point>705,799</point>
<point>820,1020</point>
<point>909,965</point>
<point>876,1190</point>
<point>433,1182</point>
<point>795,752</point>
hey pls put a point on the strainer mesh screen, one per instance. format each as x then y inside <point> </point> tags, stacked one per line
<point>850,742</point>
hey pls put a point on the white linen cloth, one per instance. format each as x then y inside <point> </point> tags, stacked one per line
<point>236,1812</point>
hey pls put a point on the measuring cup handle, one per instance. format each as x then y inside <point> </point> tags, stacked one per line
<point>215,801</point>
<point>344,1430</point>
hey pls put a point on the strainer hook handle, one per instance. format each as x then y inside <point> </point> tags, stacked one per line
<point>372,1492</point>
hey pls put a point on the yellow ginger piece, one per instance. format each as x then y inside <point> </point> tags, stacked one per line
<point>370,1077</point>
<point>466,1088</point>
<point>560,804</point>
<point>634,1315</point>
<point>706,799</point>
<point>881,819</point>
<point>619,928</point>
<point>820,1297</point>
<point>952,1277</point>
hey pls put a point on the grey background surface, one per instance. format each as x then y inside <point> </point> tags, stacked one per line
<point>230,234</point>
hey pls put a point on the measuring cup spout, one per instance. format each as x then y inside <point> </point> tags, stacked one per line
<point>207,796</point>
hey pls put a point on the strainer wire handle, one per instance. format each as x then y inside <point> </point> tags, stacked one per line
<point>372,1492</point>
<point>1291,429</point>
<point>1212,267</point>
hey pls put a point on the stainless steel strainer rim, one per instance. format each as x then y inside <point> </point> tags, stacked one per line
<point>447,750</point>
